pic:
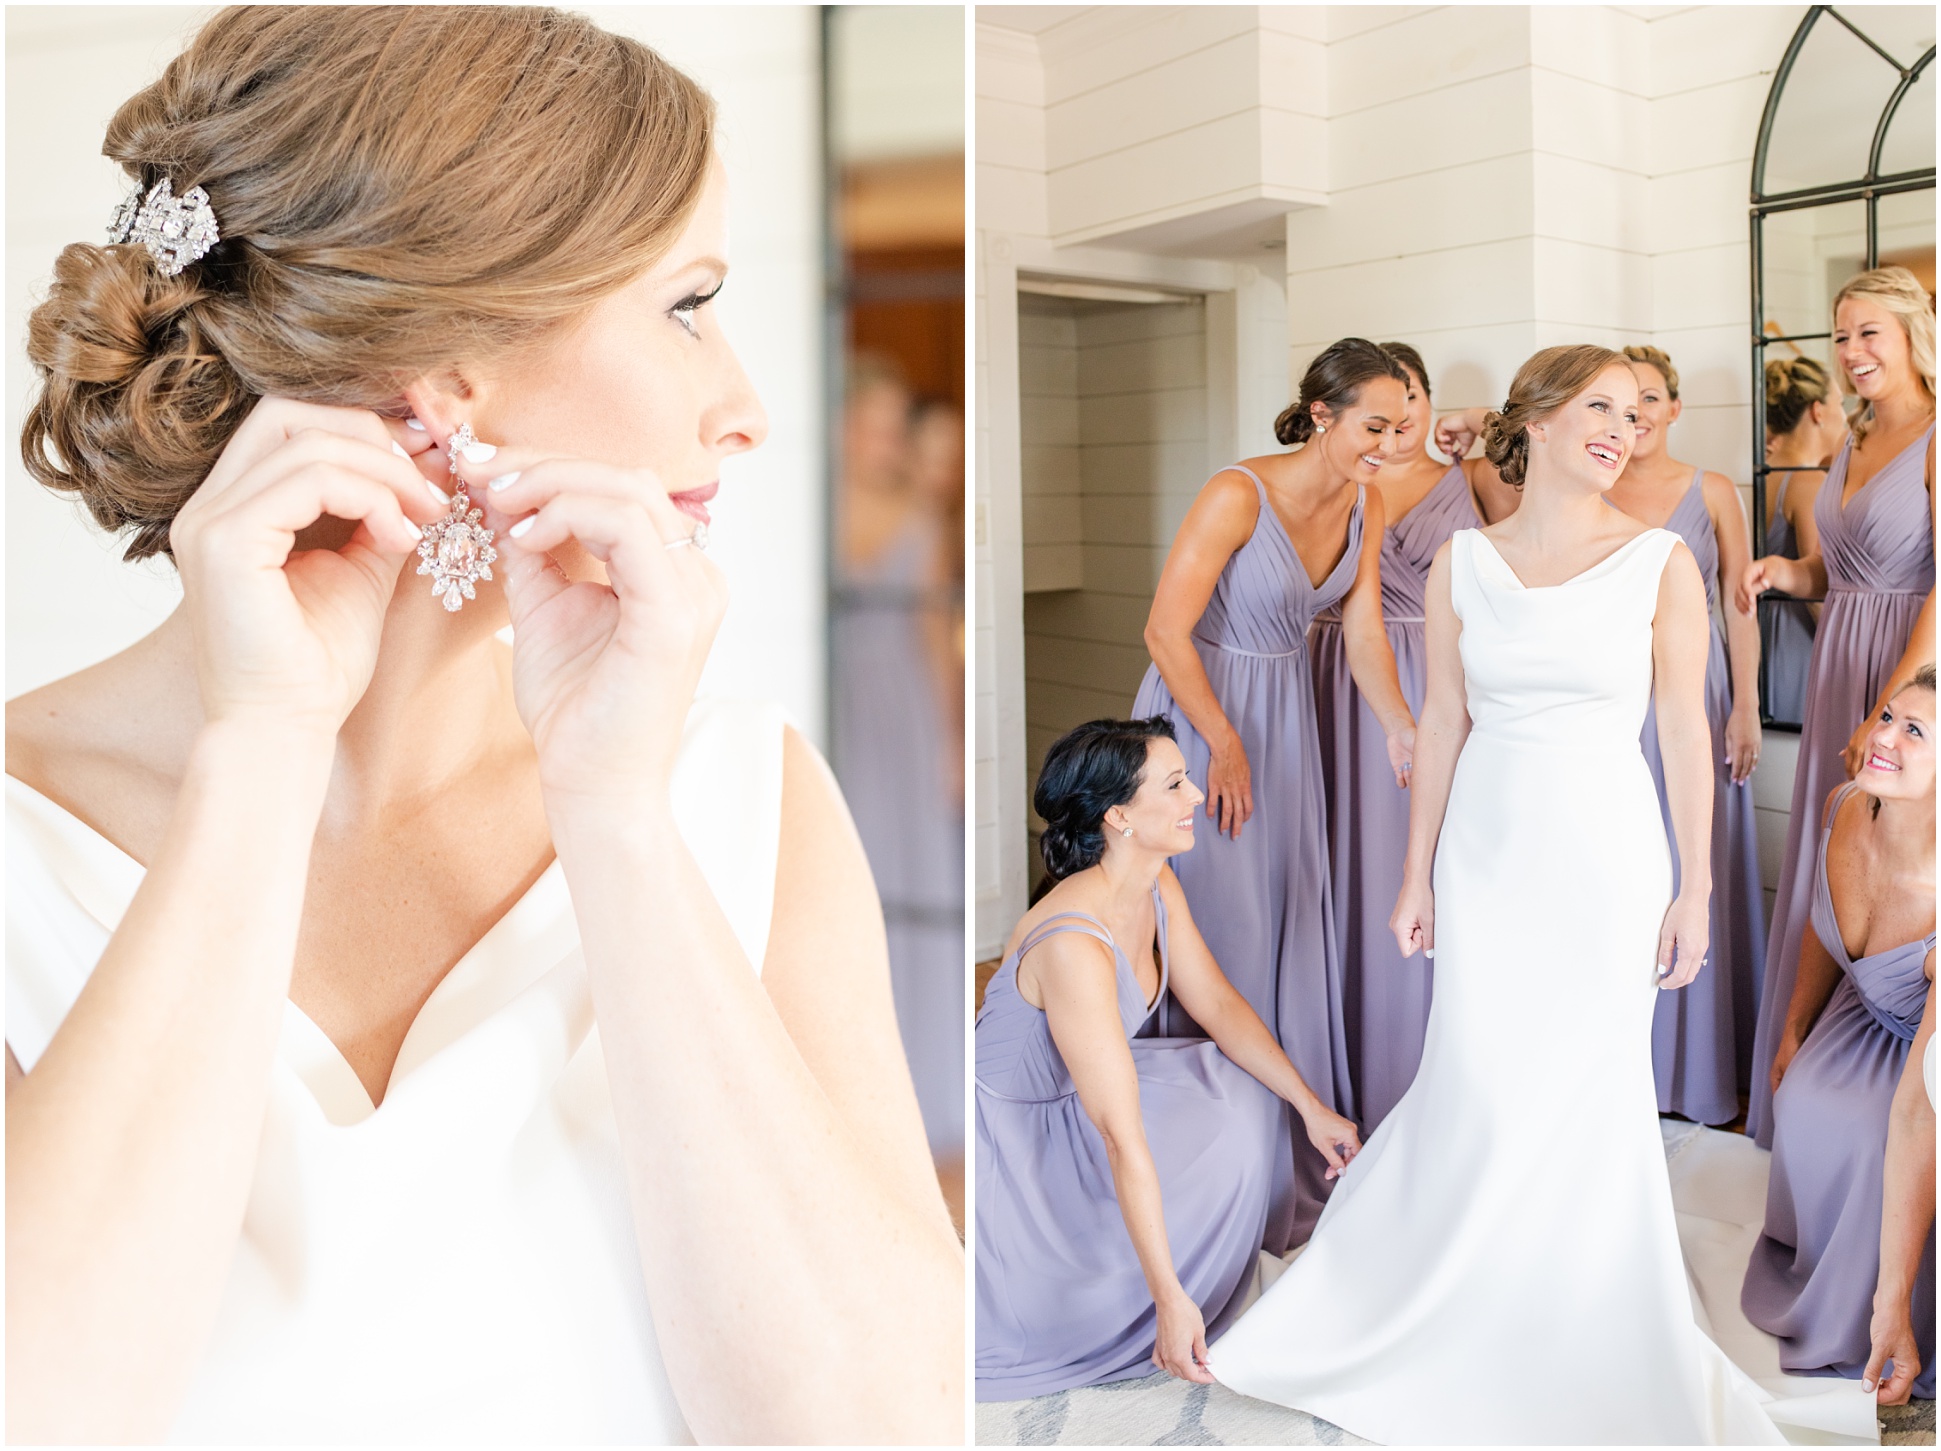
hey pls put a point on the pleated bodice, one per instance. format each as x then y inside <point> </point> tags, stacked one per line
<point>1881,542</point>
<point>1691,521</point>
<point>1264,601</point>
<point>1409,545</point>
<point>1891,983</point>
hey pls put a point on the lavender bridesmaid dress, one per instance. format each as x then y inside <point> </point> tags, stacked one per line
<point>1811,1279</point>
<point>1786,628</point>
<point>1701,1035</point>
<point>1879,553</point>
<point>889,753</point>
<point>1061,1300</point>
<point>1262,902</point>
<point>1385,996</point>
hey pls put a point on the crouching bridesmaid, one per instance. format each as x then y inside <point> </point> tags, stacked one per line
<point>1122,1175</point>
<point>1846,1263</point>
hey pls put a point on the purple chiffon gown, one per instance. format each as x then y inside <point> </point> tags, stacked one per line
<point>1701,1035</point>
<point>1786,628</point>
<point>1262,902</point>
<point>1811,1278</point>
<point>1879,553</point>
<point>1385,996</point>
<point>1061,1300</point>
<point>889,754</point>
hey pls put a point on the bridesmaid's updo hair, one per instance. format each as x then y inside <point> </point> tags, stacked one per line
<point>1409,358</point>
<point>1900,292</point>
<point>401,190</point>
<point>1657,358</point>
<point>1542,385</point>
<point>1793,385</point>
<point>1087,771</point>
<point>1335,378</point>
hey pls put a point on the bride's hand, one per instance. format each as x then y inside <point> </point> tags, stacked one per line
<point>1401,754</point>
<point>603,675</point>
<point>1683,938</point>
<point>1179,1346</point>
<point>1414,919</point>
<point>1336,1137</point>
<point>284,635</point>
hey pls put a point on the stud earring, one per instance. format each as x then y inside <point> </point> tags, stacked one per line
<point>1320,428</point>
<point>1126,831</point>
<point>457,550</point>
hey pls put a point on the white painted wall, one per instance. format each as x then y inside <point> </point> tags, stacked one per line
<point>70,599</point>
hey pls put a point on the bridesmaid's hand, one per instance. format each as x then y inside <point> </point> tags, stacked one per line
<point>1783,1053</point>
<point>285,635</point>
<point>1757,578</point>
<point>1742,741</point>
<point>603,674</point>
<point>1401,754</point>
<point>1855,755</point>
<point>1229,788</point>
<point>1892,1334</point>
<point>1456,434</point>
<point>1336,1137</point>
<point>1179,1347</point>
<point>1683,938</point>
<point>1414,919</point>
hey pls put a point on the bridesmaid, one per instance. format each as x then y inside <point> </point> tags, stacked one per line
<point>1830,1267</point>
<point>1805,427</point>
<point>1385,998</point>
<point>1875,567</point>
<point>1121,1176</point>
<point>1267,545</point>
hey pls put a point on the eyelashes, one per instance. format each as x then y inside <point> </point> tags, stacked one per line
<point>684,310</point>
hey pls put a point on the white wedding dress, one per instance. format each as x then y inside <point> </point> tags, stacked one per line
<point>458,1264</point>
<point>1501,1264</point>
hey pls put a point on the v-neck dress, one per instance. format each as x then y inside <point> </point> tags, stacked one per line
<point>458,1264</point>
<point>1385,996</point>
<point>1263,903</point>
<point>1786,625</point>
<point>1701,1035</point>
<point>1879,555</point>
<point>1812,1275</point>
<point>1061,1299</point>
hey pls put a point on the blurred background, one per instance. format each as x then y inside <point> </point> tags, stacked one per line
<point>843,133</point>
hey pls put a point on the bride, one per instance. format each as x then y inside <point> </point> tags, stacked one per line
<point>1501,1263</point>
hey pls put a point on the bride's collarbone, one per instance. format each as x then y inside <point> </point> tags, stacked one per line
<point>1546,567</point>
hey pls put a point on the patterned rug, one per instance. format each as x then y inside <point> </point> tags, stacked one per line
<point>1719,1191</point>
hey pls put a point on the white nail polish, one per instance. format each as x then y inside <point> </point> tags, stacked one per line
<point>523,527</point>
<point>437,493</point>
<point>504,481</point>
<point>478,453</point>
<point>414,425</point>
<point>398,449</point>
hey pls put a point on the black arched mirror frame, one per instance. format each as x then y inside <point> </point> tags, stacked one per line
<point>1867,188</point>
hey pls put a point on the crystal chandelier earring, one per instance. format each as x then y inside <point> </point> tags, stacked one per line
<point>457,550</point>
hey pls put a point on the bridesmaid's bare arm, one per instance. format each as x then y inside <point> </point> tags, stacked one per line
<point>1681,633</point>
<point>1741,626</point>
<point>1439,736</point>
<point>1457,435</point>
<point>1229,1019</point>
<point>1221,520</point>
<point>1370,660</point>
<point>1078,980</point>
<point>1907,1215</point>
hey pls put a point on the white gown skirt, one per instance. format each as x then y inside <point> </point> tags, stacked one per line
<point>1501,1262</point>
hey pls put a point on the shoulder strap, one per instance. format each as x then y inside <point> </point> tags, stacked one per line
<point>1779,499</point>
<point>1260,488</point>
<point>1834,803</point>
<point>1062,922</point>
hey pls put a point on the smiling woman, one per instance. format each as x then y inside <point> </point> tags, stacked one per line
<point>410,1036</point>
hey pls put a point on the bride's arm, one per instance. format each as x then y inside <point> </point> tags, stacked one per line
<point>1681,638</point>
<point>1439,735</point>
<point>132,1144</point>
<point>805,1280</point>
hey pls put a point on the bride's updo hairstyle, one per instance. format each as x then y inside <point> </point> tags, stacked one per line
<point>1900,292</point>
<point>1546,382</point>
<point>1087,771</point>
<point>1793,385</point>
<point>1335,378</point>
<point>401,190</point>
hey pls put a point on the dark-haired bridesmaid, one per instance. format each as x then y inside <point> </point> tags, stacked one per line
<point>1875,569</point>
<point>1267,545</point>
<point>1385,997</point>
<point>1805,427</point>
<point>1121,1176</point>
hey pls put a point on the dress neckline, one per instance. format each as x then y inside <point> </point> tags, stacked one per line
<point>321,1064</point>
<point>1581,574</point>
<point>1845,461</point>
<point>1036,936</point>
<point>1347,552</point>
